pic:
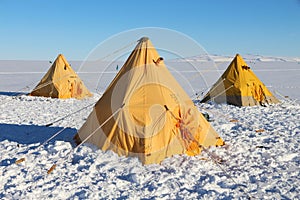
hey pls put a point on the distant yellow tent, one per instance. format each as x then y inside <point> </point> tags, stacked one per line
<point>146,114</point>
<point>61,81</point>
<point>239,86</point>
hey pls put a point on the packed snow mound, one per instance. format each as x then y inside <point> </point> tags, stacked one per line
<point>260,159</point>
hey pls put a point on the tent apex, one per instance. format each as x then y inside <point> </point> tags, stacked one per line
<point>143,39</point>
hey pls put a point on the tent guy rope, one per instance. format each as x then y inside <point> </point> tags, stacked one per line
<point>82,142</point>
<point>57,133</point>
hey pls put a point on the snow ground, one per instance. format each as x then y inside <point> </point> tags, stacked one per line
<point>263,165</point>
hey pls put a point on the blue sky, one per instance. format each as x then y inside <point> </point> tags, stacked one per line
<point>35,29</point>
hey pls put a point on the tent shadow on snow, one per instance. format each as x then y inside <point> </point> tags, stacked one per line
<point>30,134</point>
<point>12,94</point>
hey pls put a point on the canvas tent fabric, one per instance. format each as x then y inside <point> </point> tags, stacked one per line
<point>239,86</point>
<point>61,81</point>
<point>145,113</point>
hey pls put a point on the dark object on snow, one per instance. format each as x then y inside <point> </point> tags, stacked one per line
<point>206,116</point>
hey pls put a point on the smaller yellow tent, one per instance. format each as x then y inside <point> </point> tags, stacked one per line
<point>239,86</point>
<point>61,81</point>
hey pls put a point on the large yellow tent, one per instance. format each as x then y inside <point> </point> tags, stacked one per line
<point>239,86</point>
<point>145,113</point>
<point>61,81</point>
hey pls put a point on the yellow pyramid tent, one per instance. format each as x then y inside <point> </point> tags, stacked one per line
<point>61,81</point>
<point>145,113</point>
<point>239,86</point>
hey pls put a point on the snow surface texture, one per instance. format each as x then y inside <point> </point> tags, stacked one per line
<point>260,159</point>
